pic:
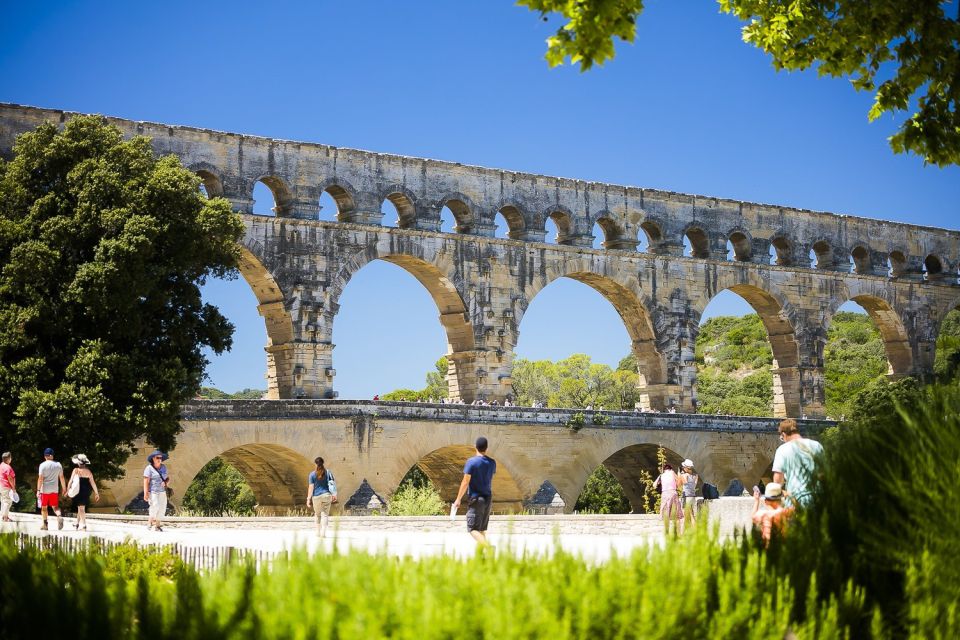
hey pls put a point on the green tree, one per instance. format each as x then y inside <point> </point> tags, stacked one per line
<point>103,248</point>
<point>947,362</point>
<point>905,52</point>
<point>602,493</point>
<point>219,489</point>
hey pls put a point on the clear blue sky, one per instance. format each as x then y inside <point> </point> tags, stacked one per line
<point>688,108</point>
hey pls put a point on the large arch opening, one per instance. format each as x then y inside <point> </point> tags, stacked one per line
<point>866,340</point>
<point>747,356</point>
<point>388,318</point>
<point>275,475</point>
<point>623,482</point>
<point>444,469</point>
<point>606,354</point>
<point>255,305</point>
<point>219,489</point>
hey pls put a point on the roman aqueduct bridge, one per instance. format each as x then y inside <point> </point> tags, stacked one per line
<point>795,267</point>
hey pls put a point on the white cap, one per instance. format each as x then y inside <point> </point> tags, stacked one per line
<point>688,463</point>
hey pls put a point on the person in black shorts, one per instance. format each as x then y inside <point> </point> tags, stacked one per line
<point>478,480</point>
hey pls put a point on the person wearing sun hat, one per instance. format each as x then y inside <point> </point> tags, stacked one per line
<point>772,515</point>
<point>85,486</point>
<point>155,481</point>
<point>688,496</point>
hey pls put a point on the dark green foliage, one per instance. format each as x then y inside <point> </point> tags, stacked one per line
<point>219,489</point>
<point>947,364</point>
<point>416,478</point>
<point>103,248</point>
<point>854,357</point>
<point>887,510</point>
<point>733,342</point>
<point>602,493</point>
<point>725,394</point>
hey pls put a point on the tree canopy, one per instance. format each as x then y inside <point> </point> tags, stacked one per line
<point>907,53</point>
<point>103,247</point>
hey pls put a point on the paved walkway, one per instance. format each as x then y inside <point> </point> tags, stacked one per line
<point>416,544</point>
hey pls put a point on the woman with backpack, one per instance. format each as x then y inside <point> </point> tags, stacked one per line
<point>321,493</point>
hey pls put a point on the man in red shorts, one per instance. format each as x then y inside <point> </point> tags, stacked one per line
<point>50,472</point>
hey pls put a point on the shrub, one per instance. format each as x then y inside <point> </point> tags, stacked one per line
<point>411,500</point>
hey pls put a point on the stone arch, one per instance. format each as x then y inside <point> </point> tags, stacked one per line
<point>896,342</point>
<point>625,464</point>
<point>778,320</point>
<point>210,175</point>
<point>933,264</point>
<point>516,220</point>
<point>860,255</point>
<point>633,309</point>
<point>823,254</point>
<point>699,241</point>
<point>342,193</point>
<point>282,196</point>
<point>653,229</point>
<point>275,473</point>
<point>405,202</point>
<point>446,294</point>
<point>444,467</point>
<point>564,219</point>
<point>271,306</point>
<point>783,250</point>
<point>742,245</point>
<point>462,209</point>
<point>614,234</point>
<point>897,261</point>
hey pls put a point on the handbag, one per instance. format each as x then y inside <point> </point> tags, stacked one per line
<point>331,484</point>
<point>74,487</point>
<point>14,496</point>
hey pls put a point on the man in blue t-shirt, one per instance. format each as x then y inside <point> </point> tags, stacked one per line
<point>478,479</point>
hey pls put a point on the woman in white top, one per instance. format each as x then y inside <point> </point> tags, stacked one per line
<point>155,480</point>
<point>688,484</point>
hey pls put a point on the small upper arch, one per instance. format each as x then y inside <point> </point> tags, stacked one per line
<point>563,218</point>
<point>860,258</point>
<point>699,240</point>
<point>781,250</point>
<point>462,209</point>
<point>612,228</point>
<point>741,244</point>
<point>516,220</point>
<point>210,176</point>
<point>405,202</point>
<point>933,266</point>
<point>343,194</point>
<point>282,195</point>
<point>897,262</point>
<point>822,254</point>
<point>653,230</point>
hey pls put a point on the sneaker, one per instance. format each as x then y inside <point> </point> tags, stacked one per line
<point>43,527</point>
<point>76,525</point>
<point>59,522</point>
<point>158,528</point>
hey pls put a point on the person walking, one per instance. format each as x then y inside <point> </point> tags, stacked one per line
<point>688,483</point>
<point>50,472</point>
<point>155,481</point>
<point>321,494</point>
<point>8,486</point>
<point>87,485</point>
<point>794,463</point>
<point>668,481</point>
<point>478,475</point>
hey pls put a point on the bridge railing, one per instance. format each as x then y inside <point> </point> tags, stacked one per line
<point>213,410</point>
